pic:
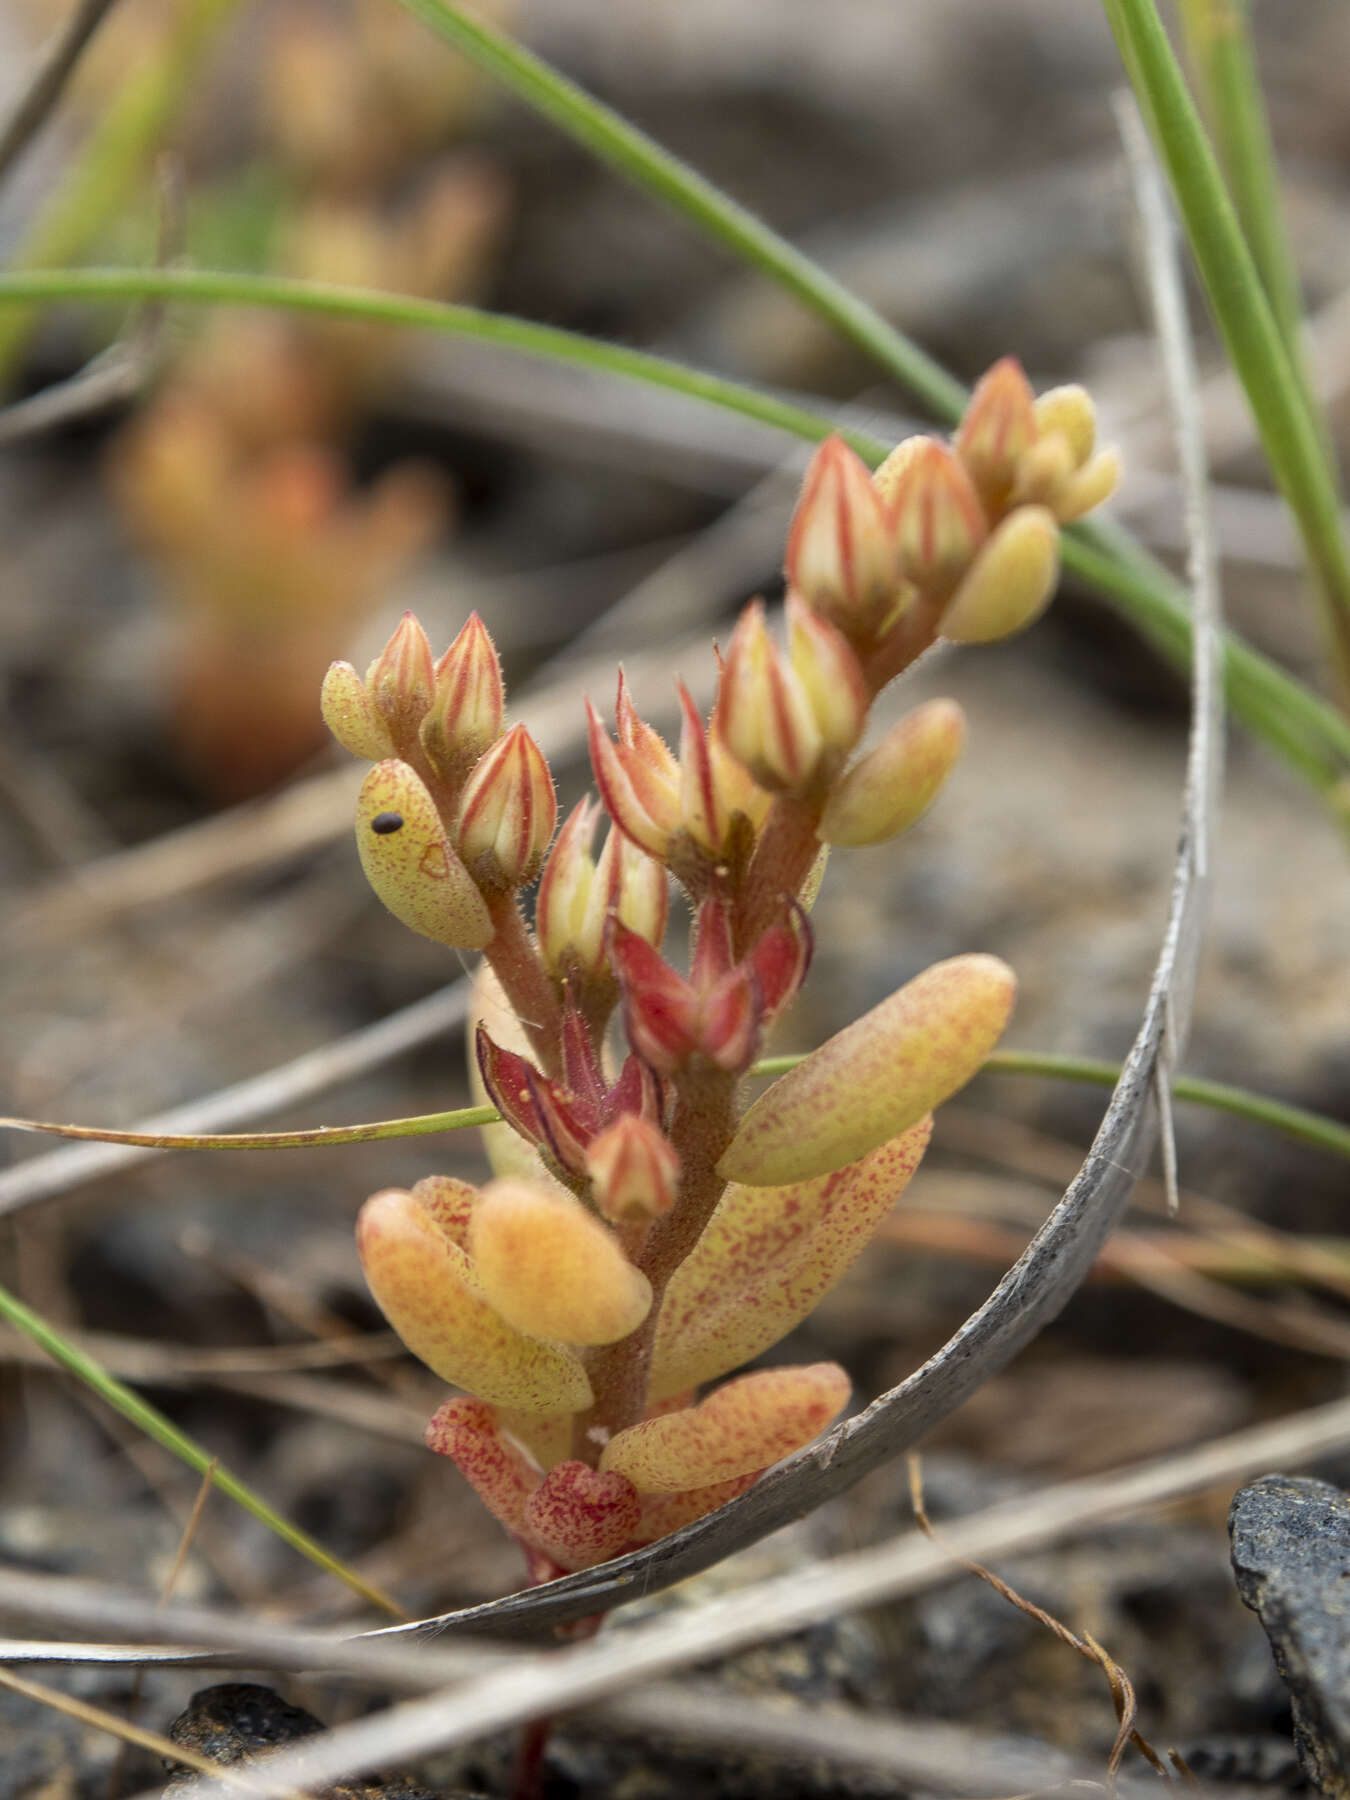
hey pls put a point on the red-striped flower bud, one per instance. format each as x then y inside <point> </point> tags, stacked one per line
<point>939,522</point>
<point>507,812</point>
<point>577,894</point>
<point>840,549</point>
<point>998,428</point>
<point>465,717</point>
<point>763,711</point>
<point>401,681</point>
<point>831,676</point>
<point>634,1170</point>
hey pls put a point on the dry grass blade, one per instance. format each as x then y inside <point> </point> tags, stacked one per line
<point>54,69</point>
<point>1122,1688</point>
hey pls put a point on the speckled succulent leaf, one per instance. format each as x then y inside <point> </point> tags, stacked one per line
<point>349,713</point>
<point>840,547</point>
<point>550,1267</point>
<point>546,1436</point>
<point>408,860</point>
<point>664,1513</point>
<point>503,1477</point>
<point>426,1287</point>
<point>766,1259</point>
<point>449,1205</point>
<point>580,1517</point>
<point>748,1424</point>
<point>876,1077</point>
<point>1011,581</point>
<point>895,784</point>
<point>508,811</point>
<point>998,426</point>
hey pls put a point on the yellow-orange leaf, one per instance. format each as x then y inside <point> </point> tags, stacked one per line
<point>877,1077</point>
<point>410,864</point>
<point>427,1289</point>
<point>746,1425</point>
<point>767,1257</point>
<point>549,1266</point>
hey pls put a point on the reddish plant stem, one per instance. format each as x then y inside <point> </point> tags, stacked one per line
<point>525,981</point>
<point>916,632</point>
<point>782,860</point>
<point>702,1128</point>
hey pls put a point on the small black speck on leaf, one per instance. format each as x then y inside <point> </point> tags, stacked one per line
<point>383,823</point>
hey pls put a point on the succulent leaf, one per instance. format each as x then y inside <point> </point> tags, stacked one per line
<point>746,1425</point>
<point>877,1077</point>
<point>408,860</point>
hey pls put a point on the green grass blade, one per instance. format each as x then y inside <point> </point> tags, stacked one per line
<point>116,153</point>
<point>144,1416</point>
<point>1313,738</point>
<point>651,167</point>
<point>1219,43</point>
<point>1291,1121</point>
<point>1246,322</point>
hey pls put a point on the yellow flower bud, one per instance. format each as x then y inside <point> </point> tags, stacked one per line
<point>1011,581</point>
<point>507,812</point>
<point>349,713</point>
<point>895,784</point>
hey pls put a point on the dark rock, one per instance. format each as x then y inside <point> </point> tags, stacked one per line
<point>1291,1556</point>
<point>237,1721</point>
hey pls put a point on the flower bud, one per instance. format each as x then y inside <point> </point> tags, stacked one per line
<point>876,1077</point>
<point>840,549</point>
<point>831,676</point>
<point>764,714</point>
<point>1011,581</point>
<point>634,1170</point>
<point>465,717</point>
<point>349,713</point>
<point>895,784</point>
<point>408,860</point>
<point>550,1267</point>
<point>638,778</point>
<point>747,1424</point>
<point>507,812</point>
<point>999,426</point>
<point>1069,411</point>
<point>401,682</point>
<point>1093,483</point>
<point>938,520</point>
<point>577,895</point>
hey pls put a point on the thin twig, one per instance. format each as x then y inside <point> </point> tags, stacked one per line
<point>55,67</point>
